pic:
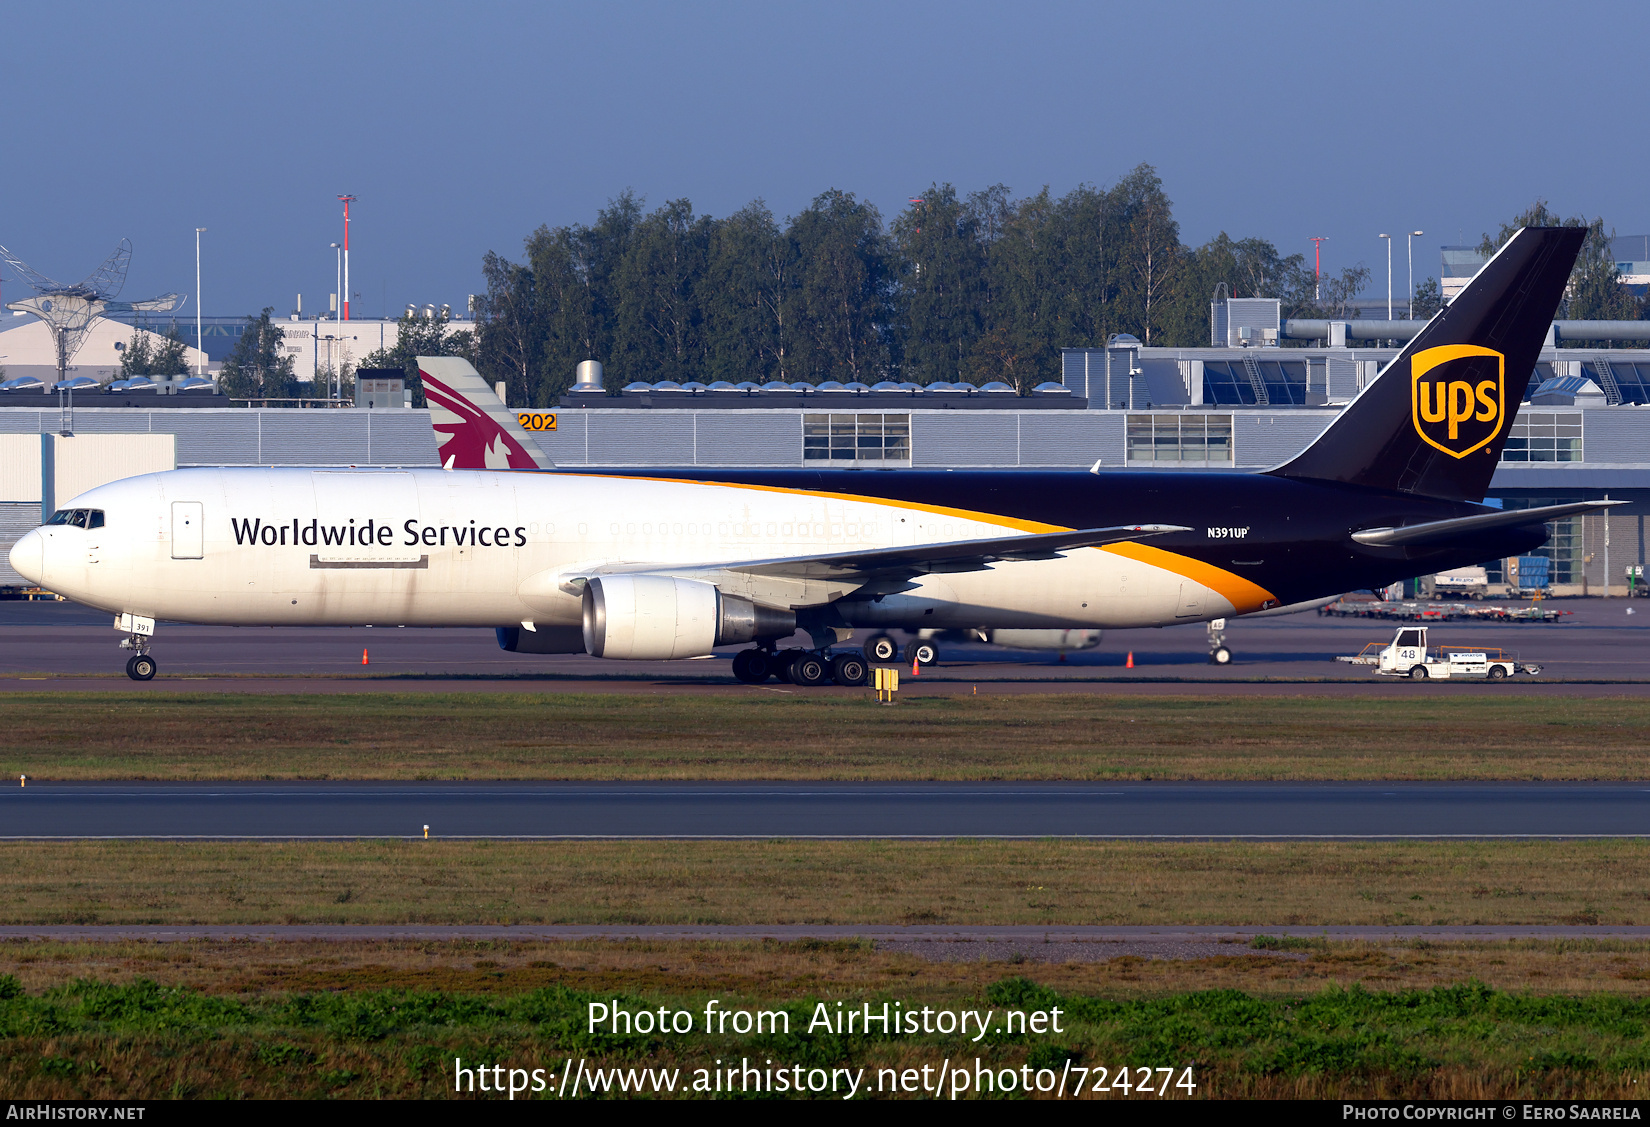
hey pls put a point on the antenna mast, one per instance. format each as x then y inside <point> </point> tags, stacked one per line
<point>1317,266</point>
<point>344,297</point>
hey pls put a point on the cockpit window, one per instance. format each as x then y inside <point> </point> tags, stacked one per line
<point>78,518</point>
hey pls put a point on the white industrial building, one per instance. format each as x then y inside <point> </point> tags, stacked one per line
<point>28,349</point>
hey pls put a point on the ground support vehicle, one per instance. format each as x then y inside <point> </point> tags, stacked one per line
<point>1462,582</point>
<point>1408,655</point>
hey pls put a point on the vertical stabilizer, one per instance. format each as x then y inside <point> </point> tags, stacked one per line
<point>473,428</point>
<point>1434,422</point>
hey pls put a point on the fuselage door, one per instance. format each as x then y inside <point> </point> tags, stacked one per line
<point>188,537</point>
<point>1191,600</point>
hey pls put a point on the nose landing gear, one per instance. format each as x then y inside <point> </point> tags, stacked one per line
<point>1218,653</point>
<point>141,631</point>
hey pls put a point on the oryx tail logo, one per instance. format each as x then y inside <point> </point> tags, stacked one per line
<point>1458,396</point>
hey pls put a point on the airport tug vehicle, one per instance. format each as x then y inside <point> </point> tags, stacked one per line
<point>1407,655</point>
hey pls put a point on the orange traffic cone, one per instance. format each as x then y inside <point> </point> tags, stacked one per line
<point>914,671</point>
<point>363,656</point>
<point>1129,664</point>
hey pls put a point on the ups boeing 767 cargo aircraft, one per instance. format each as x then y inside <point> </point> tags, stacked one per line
<point>670,564</point>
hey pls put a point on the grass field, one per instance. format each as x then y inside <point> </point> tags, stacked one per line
<point>137,1021</point>
<point>666,736</point>
<point>827,882</point>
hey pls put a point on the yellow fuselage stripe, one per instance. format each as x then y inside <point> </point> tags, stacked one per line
<point>1244,594</point>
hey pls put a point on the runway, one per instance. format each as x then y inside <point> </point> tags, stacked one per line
<point>565,811</point>
<point>1601,648</point>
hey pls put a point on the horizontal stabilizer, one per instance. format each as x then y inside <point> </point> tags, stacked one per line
<point>1445,531</point>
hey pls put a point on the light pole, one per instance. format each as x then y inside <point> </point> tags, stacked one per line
<point>1411,241</point>
<point>199,231</point>
<point>337,310</point>
<point>1388,239</point>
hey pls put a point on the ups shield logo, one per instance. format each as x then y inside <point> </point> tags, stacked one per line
<point>1458,396</point>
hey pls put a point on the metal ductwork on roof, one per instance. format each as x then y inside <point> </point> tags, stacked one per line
<point>1310,329</point>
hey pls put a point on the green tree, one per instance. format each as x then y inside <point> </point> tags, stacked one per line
<point>658,323</point>
<point>509,336</point>
<point>417,336</point>
<point>942,284</point>
<point>747,297</point>
<point>1339,289</point>
<point>1595,291</point>
<point>1151,277</point>
<point>843,302</point>
<point>1429,299</point>
<point>573,272</point>
<point>149,355</point>
<point>1251,268</point>
<point>259,367</point>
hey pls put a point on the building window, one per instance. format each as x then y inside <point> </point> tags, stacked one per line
<point>1233,381</point>
<point>854,439</point>
<point>1190,437</point>
<point>1563,546</point>
<point>1539,436</point>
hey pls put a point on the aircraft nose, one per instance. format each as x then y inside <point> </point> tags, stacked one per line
<point>28,556</point>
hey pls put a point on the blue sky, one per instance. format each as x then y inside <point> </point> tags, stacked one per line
<point>463,127</point>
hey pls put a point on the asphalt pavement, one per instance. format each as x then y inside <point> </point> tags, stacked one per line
<point>63,646</point>
<point>823,810</point>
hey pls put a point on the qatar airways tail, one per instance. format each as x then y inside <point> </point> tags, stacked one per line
<point>473,428</point>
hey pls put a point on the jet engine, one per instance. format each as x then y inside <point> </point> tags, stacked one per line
<point>660,618</point>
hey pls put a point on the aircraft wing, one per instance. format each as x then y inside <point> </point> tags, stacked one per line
<point>956,555</point>
<point>798,581</point>
<point>1444,531</point>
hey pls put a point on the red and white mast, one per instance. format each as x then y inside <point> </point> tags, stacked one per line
<point>343,298</point>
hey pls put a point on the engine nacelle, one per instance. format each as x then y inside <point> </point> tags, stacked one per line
<point>660,618</point>
<point>543,640</point>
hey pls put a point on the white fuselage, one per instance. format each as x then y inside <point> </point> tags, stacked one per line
<point>254,546</point>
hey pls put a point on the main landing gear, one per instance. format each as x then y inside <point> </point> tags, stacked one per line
<point>800,667</point>
<point>881,649</point>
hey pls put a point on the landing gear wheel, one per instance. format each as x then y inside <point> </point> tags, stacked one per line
<point>1221,656</point>
<point>1497,673</point>
<point>141,668</point>
<point>1418,673</point>
<point>751,666</point>
<point>880,649</point>
<point>849,670</point>
<point>783,666</point>
<point>810,669</point>
<point>922,652</point>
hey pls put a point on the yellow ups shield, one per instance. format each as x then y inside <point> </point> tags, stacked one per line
<point>1458,396</point>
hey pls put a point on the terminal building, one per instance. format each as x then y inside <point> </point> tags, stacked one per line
<point>1261,391</point>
